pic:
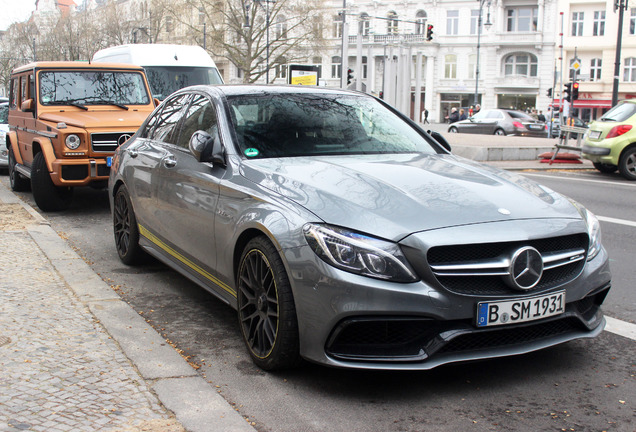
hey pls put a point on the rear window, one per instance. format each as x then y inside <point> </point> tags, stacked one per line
<point>92,88</point>
<point>620,112</point>
<point>520,115</point>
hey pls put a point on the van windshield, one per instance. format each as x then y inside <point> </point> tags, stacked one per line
<point>165,80</point>
<point>92,88</point>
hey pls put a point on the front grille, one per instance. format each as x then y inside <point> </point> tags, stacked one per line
<point>495,285</point>
<point>108,142</point>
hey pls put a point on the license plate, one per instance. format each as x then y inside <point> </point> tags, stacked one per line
<point>109,161</point>
<point>520,310</point>
<point>536,127</point>
<point>595,134</point>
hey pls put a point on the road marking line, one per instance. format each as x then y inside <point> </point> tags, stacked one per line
<point>621,328</point>
<point>616,221</point>
<point>580,179</point>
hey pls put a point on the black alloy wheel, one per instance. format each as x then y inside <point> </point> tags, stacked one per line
<point>266,311</point>
<point>17,182</point>
<point>125,228</point>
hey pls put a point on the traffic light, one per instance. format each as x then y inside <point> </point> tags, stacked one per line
<point>549,92</point>
<point>349,76</point>
<point>575,91</point>
<point>429,32</point>
<point>568,92</point>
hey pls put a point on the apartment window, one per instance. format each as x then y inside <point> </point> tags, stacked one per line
<point>169,24</point>
<point>629,72</point>
<point>281,27</point>
<point>521,64</point>
<point>450,66</point>
<point>363,24</point>
<point>599,23</point>
<point>577,23</point>
<point>336,67</point>
<point>201,16</point>
<point>420,22</point>
<point>392,23</point>
<point>632,22</point>
<point>364,66</point>
<point>472,66</point>
<point>521,19</point>
<point>595,69</point>
<point>281,67</point>
<point>337,26</point>
<point>474,21</point>
<point>452,22</point>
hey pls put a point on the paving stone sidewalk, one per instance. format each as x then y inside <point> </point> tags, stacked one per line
<point>74,357</point>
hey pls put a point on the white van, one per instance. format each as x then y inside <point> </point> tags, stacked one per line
<point>168,67</point>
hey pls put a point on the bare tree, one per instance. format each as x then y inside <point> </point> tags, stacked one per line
<point>249,33</point>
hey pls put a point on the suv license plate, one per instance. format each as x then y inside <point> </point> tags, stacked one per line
<point>109,161</point>
<point>521,310</point>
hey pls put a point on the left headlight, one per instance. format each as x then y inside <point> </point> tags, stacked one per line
<point>73,141</point>
<point>358,253</point>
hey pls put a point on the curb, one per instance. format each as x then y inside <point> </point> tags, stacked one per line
<point>195,403</point>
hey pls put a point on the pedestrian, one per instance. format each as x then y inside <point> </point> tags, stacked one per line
<point>477,108</point>
<point>454,115</point>
<point>541,117</point>
<point>471,111</point>
<point>462,115</point>
<point>425,116</point>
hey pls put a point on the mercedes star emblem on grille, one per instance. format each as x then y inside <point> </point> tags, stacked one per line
<point>526,268</point>
<point>123,138</point>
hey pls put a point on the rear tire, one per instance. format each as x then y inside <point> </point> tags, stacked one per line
<point>627,164</point>
<point>453,129</point>
<point>47,196</point>
<point>266,310</point>
<point>17,182</point>
<point>605,168</point>
<point>500,132</point>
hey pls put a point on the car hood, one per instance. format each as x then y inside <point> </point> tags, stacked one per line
<point>99,119</point>
<point>394,196</point>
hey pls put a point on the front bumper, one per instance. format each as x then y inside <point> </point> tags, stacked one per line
<point>352,321</point>
<point>79,172</point>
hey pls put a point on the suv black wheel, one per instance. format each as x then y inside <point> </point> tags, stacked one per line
<point>18,183</point>
<point>46,195</point>
<point>266,310</point>
<point>627,164</point>
<point>605,168</point>
<point>126,229</point>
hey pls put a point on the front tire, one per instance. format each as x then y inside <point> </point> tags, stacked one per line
<point>47,196</point>
<point>605,168</point>
<point>17,182</point>
<point>453,129</point>
<point>126,229</point>
<point>627,164</point>
<point>266,310</point>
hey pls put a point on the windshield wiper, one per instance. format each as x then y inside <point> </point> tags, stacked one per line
<point>105,102</point>
<point>75,104</point>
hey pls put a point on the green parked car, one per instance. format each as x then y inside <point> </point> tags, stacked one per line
<point>610,142</point>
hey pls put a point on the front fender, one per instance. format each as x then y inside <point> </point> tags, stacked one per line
<point>46,146</point>
<point>12,142</point>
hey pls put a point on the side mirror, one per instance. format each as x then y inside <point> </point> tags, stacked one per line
<point>440,139</point>
<point>27,106</point>
<point>207,148</point>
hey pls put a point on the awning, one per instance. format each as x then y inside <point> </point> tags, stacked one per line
<point>586,103</point>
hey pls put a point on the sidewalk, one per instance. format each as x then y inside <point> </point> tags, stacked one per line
<point>75,357</point>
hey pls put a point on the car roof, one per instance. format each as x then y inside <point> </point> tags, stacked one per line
<point>73,65</point>
<point>255,89</point>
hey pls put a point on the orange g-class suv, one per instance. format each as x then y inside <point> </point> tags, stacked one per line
<point>66,120</point>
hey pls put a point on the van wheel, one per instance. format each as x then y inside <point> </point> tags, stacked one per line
<point>627,164</point>
<point>18,183</point>
<point>46,195</point>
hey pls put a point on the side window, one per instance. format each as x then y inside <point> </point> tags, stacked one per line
<point>14,93</point>
<point>166,129</point>
<point>152,122</point>
<point>200,115</point>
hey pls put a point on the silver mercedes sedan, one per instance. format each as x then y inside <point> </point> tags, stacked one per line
<point>344,234</point>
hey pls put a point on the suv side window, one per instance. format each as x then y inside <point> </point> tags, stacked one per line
<point>13,95</point>
<point>200,115</point>
<point>166,128</point>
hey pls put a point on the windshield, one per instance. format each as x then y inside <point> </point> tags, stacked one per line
<point>284,125</point>
<point>165,80</point>
<point>92,88</point>
<point>620,112</point>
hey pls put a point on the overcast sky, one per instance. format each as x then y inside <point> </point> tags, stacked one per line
<point>15,11</point>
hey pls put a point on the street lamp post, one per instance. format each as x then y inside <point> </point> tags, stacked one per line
<point>267,2</point>
<point>487,24</point>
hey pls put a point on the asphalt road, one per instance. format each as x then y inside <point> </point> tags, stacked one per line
<point>583,385</point>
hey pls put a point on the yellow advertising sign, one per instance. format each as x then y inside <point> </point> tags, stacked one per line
<point>299,77</point>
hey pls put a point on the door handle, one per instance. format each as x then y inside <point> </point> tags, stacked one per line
<point>169,161</point>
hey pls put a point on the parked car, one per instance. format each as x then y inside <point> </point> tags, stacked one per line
<point>500,122</point>
<point>556,126</point>
<point>344,234</point>
<point>610,142</point>
<point>4,128</point>
<point>66,118</point>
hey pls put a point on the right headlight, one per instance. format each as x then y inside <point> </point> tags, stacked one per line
<point>358,253</point>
